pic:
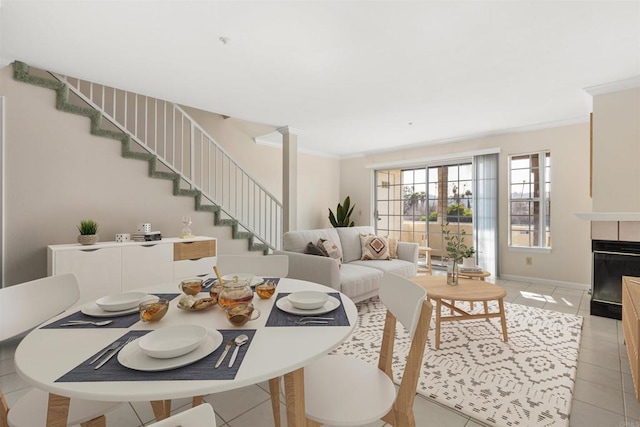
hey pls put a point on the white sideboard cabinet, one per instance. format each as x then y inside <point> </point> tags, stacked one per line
<point>111,267</point>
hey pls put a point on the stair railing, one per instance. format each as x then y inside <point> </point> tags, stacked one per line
<point>164,129</point>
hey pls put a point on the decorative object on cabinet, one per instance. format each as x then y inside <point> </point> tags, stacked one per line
<point>631,326</point>
<point>186,231</point>
<point>88,229</point>
<point>123,237</point>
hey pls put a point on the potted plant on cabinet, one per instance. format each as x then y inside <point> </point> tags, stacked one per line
<point>468,259</point>
<point>88,229</point>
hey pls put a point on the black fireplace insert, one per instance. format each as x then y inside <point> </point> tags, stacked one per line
<point>611,261</point>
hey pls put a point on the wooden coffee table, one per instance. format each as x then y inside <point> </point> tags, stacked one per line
<point>467,290</point>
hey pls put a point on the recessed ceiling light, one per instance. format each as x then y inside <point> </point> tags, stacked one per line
<point>224,40</point>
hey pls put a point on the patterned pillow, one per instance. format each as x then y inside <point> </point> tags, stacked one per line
<point>393,247</point>
<point>374,247</point>
<point>313,249</point>
<point>331,250</point>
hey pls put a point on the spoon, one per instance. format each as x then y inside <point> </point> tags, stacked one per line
<point>86,322</point>
<point>240,340</point>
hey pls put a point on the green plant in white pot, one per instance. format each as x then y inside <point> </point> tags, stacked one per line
<point>468,258</point>
<point>88,229</point>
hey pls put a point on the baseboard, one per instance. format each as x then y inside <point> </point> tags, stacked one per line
<point>568,285</point>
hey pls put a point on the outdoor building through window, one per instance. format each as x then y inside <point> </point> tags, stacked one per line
<point>530,200</point>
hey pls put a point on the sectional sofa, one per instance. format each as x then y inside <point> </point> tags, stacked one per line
<point>358,279</point>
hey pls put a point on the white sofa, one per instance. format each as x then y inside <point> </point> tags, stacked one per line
<point>356,278</point>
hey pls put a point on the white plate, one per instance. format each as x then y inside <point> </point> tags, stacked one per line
<point>121,301</point>
<point>132,357</point>
<point>93,310</point>
<point>172,341</point>
<point>285,305</point>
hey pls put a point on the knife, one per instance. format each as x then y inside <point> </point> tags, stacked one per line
<point>224,353</point>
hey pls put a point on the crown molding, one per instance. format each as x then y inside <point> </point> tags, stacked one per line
<point>613,86</point>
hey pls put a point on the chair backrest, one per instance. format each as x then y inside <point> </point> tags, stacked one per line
<point>25,306</point>
<point>198,416</point>
<point>403,298</point>
<point>405,301</point>
<point>262,265</point>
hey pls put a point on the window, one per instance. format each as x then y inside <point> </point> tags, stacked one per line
<point>530,200</point>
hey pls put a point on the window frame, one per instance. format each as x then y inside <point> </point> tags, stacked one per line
<point>543,242</point>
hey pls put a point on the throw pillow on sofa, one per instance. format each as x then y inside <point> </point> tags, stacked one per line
<point>374,247</point>
<point>313,249</point>
<point>331,250</point>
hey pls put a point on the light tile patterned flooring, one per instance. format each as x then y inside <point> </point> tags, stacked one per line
<point>603,394</point>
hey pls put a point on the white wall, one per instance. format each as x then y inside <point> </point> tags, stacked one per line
<point>57,174</point>
<point>570,258</point>
<point>616,151</point>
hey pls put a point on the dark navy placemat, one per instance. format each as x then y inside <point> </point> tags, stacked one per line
<point>278,317</point>
<point>118,322</point>
<point>203,369</point>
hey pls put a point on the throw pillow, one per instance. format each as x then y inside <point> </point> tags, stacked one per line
<point>393,247</point>
<point>313,249</point>
<point>374,247</point>
<point>331,250</point>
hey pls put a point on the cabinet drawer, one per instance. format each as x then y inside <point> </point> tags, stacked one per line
<point>194,267</point>
<point>146,265</point>
<point>194,250</point>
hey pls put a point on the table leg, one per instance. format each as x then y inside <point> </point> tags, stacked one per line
<point>161,409</point>
<point>57,411</point>
<point>294,396</point>
<point>274,390</point>
<point>197,400</point>
<point>453,302</point>
<point>438,316</point>
<point>503,320</point>
<point>486,309</point>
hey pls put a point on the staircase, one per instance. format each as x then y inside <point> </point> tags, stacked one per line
<point>176,148</point>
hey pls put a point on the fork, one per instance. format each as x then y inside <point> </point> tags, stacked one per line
<point>113,346</point>
<point>86,322</point>
<point>115,351</point>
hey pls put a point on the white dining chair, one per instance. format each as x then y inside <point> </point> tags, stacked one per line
<point>344,391</point>
<point>22,308</point>
<point>263,265</point>
<point>198,416</point>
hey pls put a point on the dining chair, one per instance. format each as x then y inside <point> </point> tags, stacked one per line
<point>198,416</point>
<point>22,308</point>
<point>344,391</point>
<point>263,265</point>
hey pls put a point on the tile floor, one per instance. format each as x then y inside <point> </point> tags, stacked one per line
<point>603,395</point>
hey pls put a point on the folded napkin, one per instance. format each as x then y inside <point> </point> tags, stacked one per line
<point>202,369</point>
<point>278,317</point>
<point>125,321</point>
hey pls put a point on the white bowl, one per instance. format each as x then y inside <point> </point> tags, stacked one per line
<point>308,300</point>
<point>120,302</point>
<point>172,341</point>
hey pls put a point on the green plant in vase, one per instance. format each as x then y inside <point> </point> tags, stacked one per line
<point>457,249</point>
<point>88,229</point>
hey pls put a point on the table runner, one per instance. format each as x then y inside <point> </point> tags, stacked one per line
<point>203,369</point>
<point>278,317</point>
<point>118,322</point>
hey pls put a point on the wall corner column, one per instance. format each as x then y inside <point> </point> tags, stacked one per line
<point>289,178</point>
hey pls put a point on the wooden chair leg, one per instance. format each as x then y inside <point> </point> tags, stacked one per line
<point>274,390</point>
<point>101,421</point>
<point>58,410</point>
<point>161,409</point>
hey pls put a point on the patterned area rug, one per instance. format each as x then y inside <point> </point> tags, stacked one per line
<point>527,381</point>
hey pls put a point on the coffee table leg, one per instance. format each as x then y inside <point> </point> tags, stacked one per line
<point>438,315</point>
<point>502,319</point>
<point>486,310</point>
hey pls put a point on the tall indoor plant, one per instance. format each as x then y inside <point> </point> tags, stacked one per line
<point>342,215</point>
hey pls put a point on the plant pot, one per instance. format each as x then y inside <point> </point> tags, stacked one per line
<point>88,239</point>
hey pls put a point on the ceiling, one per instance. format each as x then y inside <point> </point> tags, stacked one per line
<point>350,77</point>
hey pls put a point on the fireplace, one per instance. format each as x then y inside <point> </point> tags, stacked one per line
<point>611,261</point>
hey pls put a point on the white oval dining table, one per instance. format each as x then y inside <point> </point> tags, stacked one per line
<point>45,355</point>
